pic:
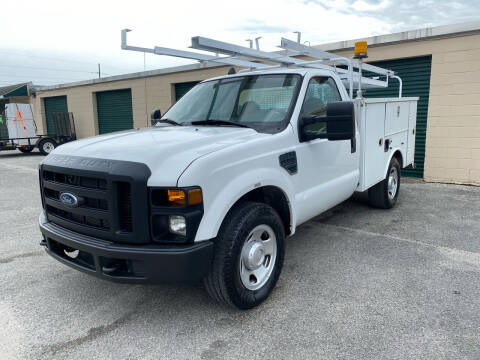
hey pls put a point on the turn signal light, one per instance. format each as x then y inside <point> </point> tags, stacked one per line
<point>195,197</point>
<point>176,197</point>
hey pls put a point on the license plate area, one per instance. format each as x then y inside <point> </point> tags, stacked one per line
<point>75,256</point>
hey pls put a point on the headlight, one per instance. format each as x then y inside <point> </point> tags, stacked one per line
<point>175,214</point>
<point>177,225</point>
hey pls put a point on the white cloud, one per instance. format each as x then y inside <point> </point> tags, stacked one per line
<point>86,32</point>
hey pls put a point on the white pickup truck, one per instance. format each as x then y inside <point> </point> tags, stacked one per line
<point>212,190</point>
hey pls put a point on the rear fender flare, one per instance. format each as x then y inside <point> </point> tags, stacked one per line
<point>393,152</point>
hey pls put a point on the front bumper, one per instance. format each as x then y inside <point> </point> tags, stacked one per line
<point>127,263</point>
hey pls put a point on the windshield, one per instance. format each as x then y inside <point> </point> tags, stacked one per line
<point>262,102</point>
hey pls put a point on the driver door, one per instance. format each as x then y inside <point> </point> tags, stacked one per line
<point>328,169</point>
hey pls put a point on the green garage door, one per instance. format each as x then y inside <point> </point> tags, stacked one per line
<point>114,111</point>
<point>55,104</point>
<point>415,73</point>
<point>182,88</point>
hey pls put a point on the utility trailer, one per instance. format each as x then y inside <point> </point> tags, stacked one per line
<point>18,130</point>
<point>212,189</point>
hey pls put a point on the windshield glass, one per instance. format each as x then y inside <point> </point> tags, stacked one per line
<point>262,102</point>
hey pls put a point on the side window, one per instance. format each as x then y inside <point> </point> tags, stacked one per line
<point>320,92</point>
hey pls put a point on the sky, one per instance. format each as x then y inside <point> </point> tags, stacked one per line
<point>50,42</point>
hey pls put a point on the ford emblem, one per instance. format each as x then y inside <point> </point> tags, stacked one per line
<point>68,199</point>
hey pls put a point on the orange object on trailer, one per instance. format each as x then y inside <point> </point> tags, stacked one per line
<point>19,116</point>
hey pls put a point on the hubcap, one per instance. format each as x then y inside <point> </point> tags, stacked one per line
<point>392,183</point>
<point>48,147</point>
<point>258,256</point>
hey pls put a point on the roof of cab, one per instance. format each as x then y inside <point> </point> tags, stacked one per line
<point>275,70</point>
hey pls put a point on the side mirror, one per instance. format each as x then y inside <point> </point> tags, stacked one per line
<point>155,116</point>
<point>339,124</point>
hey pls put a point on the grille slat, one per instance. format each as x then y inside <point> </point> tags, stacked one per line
<point>92,193</point>
<point>82,181</point>
<point>81,211</point>
<point>125,206</point>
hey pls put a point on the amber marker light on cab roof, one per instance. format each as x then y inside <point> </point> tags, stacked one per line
<point>361,50</point>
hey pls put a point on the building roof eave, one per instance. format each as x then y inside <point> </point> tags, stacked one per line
<point>131,76</point>
<point>430,33</point>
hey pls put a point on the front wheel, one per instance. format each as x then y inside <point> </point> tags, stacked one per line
<point>248,258</point>
<point>384,195</point>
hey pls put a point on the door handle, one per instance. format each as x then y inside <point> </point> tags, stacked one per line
<point>387,144</point>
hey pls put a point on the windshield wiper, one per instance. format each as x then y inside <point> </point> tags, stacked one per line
<point>219,122</point>
<point>168,121</point>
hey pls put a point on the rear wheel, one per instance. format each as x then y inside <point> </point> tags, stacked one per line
<point>46,146</point>
<point>248,258</point>
<point>384,195</point>
<point>26,149</point>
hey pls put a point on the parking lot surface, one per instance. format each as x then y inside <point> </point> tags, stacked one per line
<point>358,283</point>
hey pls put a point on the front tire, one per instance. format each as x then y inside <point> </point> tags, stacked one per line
<point>248,258</point>
<point>384,195</point>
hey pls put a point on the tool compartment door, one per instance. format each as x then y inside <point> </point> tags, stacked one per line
<point>374,158</point>
<point>412,124</point>
<point>396,120</point>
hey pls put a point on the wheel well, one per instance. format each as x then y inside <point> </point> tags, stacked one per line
<point>399,157</point>
<point>44,138</point>
<point>273,196</point>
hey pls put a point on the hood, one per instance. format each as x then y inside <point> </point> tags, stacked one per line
<point>169,148</point>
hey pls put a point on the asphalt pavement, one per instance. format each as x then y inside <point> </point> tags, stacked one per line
<point>358,283</point>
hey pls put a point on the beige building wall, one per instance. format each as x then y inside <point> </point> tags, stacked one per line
<point>453,125</point>
<point>148,93</point>
<point>452,151</point>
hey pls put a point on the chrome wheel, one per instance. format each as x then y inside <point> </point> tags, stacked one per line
<point>257,259</point>
<point>48,147</point>
<point>392,183</point>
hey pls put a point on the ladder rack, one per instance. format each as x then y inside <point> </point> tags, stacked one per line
<point>350,70</point>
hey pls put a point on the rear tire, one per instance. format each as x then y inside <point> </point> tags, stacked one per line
<point>248,259</point>
<point>26,149</point>
<point>46,146</point>
<point>384,195</point>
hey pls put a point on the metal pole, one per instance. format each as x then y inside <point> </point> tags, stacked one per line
<point>256,42</point>
<point>359,92</point>
<point>299,36</point>
<point>350,80</point>
<point>99,73</point>
<point>400,85</point>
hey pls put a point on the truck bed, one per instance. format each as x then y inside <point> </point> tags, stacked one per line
<point>386,125</point>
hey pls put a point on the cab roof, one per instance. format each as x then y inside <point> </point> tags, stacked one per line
<point>275,70</point>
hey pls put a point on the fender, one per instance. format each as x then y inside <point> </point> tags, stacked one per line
<point>393,151</point>
<point>217,207</point>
